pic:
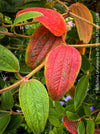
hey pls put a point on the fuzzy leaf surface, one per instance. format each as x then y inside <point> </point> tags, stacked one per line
<point>70,125</point>
<point>40,44</point>
<point>34,102</point>
<point>61,69</point>
<point>84,29</point>
<point>8,61</point>
<point>51,19</point>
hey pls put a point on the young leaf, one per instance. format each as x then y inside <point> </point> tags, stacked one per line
<point>90,127</point>
<point>34,102</point>
<point>14,123</point>
<point>61,69</point>
<point>87,109</point>
<point>25,16</point>
<point>59,107</point>
<point>81,127</point>
<point>98,119</point>
<point>40,44</point>
<point>51,19</point>
<point>81,50</point>
<point>8,62</point>
<point>7,100</point>
<point>80,92</point>
<point>4,121</point>
<point>54,121</point>
<point>72,116</point>
<point>70,125</point>
<point>84,29</point>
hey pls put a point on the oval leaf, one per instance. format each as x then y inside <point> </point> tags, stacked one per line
<point>4,121</point>
<point>70,125</point>
<point>98,119</point>
<point>40,44</point>
<point>7,100</point>
<point>80,92</point>
<point>72,116</point>
<point>34,102</point>
<point>54,121</point>
<point>84,29</point>
<point>14,123</point>
<point>8,61</point>
<point>25,16</point>
<point>52,20</point>
<point>81,127</point>
<point>90,127</point>
<point>97,131</point>
<point>61,69</point>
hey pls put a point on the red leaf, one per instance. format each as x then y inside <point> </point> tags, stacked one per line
<point>52,20</point>
<point>40,44</point>
<point>61,69</point>
<point>97,131</point>
<point>70,125</point>
<point>84,29</point>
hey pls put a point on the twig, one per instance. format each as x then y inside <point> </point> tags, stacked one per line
<point>15,35</point>
<point>10,112</point>
<point>85,45</point>
<point>21,24</point>
<point>73,45</point>
<point>24,78</point>
<point>62,3</point>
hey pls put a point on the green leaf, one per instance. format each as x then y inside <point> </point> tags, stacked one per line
<point>34,102</point>
<point>4,29</point>
<point>7,100</point>
<point>70,108</point>
<point>90,127</point>
<point>59,107</point>
<point>54,121</point>
<point>80,92</point>
<point>14,123</point>
<point>8,61</point>
<point>25,16</point>
<point>85,64</point>
<point>81,127</point>
<point>4,121</point>
<point>72,116</point>
<point>98,119</point>
<point>87,109</point>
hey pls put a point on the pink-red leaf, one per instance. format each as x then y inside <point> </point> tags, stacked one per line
<point>61,69</point>
<point>84,29</point>
<point>97,131</point>
<point>70,125</point>
<point>40,44</point>
<point>52,20</point>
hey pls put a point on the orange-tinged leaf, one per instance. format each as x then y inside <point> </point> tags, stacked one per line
<point>81,50</point>
<point>61,69</point>
<point>40,44</point>
<point>52,20</point>
<point>84,29</point>
<point>70,125</point>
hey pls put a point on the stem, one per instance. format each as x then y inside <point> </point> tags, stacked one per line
<point>73,45</point>
<point>74,15</point>
<point>15,35</point>
<point>10,112</point>
<point>85,45</point>
<point>23,79</point>
<point>21,24</point>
